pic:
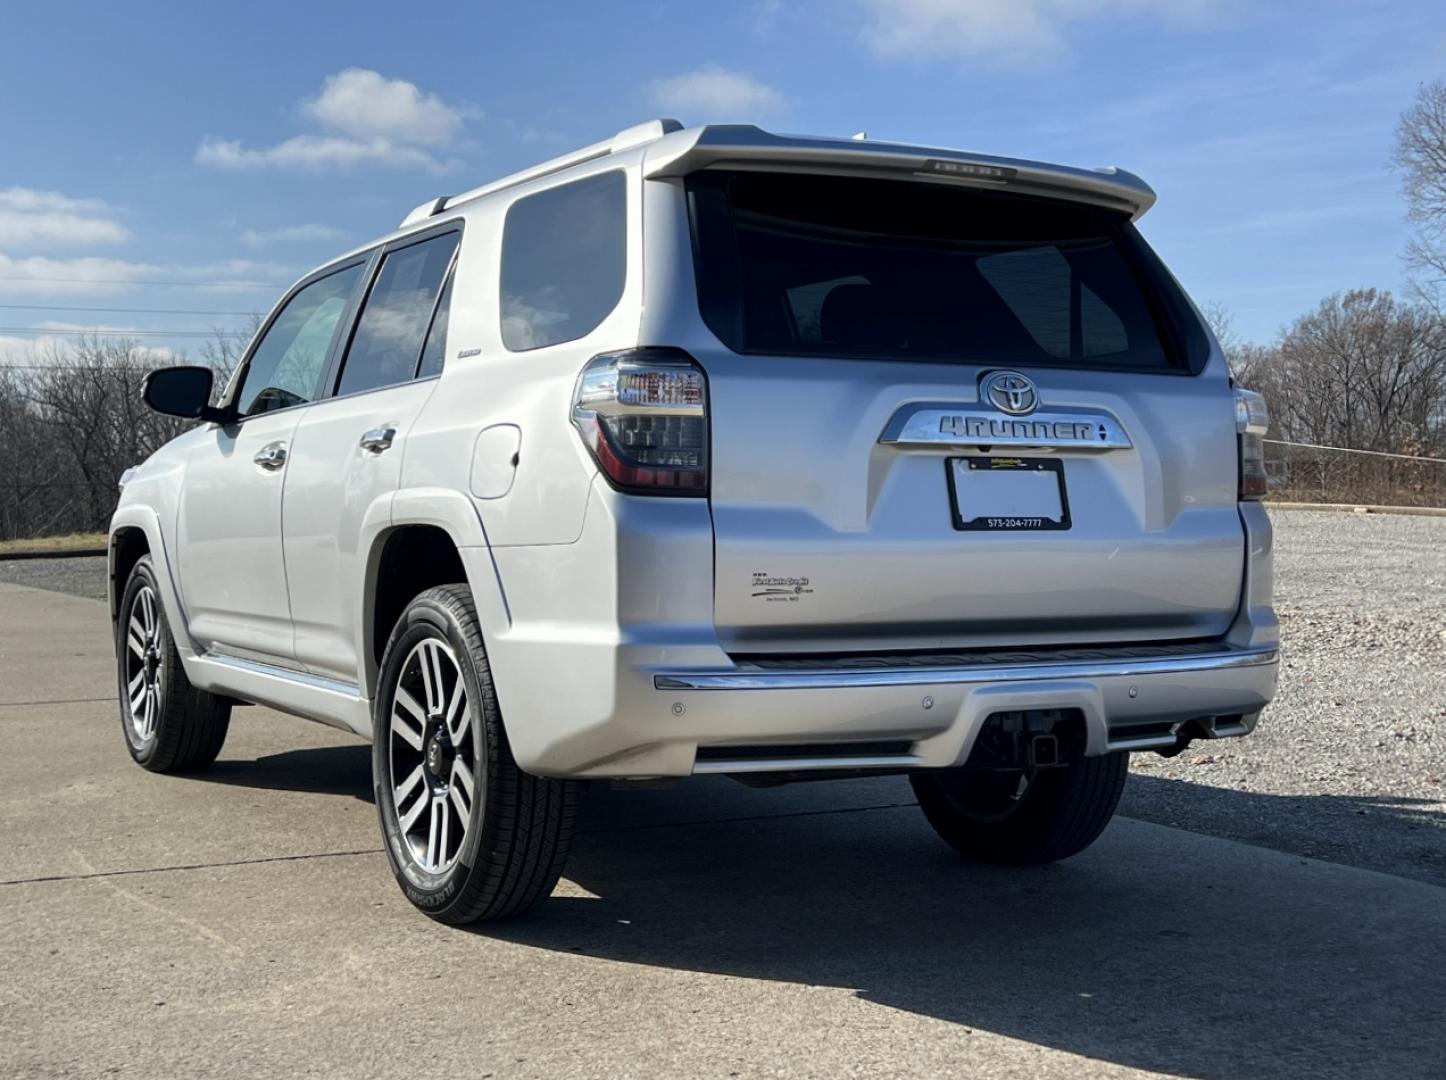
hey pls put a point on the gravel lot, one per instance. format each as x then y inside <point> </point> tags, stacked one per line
<point>1349,763</point>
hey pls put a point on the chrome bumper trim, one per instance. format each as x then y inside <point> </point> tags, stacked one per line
<point>740,679</point>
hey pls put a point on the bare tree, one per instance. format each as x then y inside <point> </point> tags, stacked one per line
<point>1420,158</point>
<point>1252,366</point>
<point>72,420</point>
<point>1363,371</point>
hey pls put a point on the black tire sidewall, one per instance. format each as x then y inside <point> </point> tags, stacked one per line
<point>1063,813</point>
<point>432,893</point>
<point>143,575</point>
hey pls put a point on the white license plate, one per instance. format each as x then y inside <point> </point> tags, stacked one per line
<point>1008,493</point>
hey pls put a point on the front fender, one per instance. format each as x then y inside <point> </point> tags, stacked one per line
<point>143,518</point>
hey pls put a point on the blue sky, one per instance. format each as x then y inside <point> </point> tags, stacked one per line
<point>197,157</point>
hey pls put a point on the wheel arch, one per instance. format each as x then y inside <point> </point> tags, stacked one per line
<point>434,537</point>
<point>135,531</point>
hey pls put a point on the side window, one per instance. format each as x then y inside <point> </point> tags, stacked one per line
<point>564,260</point>
<point>287,364</point>
<point>434,353</point>
<point>389,335</point>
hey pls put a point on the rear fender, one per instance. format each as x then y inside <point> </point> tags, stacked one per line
<point>453,513</point>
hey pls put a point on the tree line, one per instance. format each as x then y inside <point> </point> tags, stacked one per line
<point>72,420</point>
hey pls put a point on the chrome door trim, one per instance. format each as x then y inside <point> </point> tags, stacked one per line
<point>304,678</point>
<point>822,679</point>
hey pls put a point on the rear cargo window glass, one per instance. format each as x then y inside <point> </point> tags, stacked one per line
<point>813,265</point>
<point>564,259</point>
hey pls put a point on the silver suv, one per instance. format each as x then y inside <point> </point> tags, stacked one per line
<point>714,451</point>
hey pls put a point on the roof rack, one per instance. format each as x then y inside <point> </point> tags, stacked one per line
<point>626,139</point>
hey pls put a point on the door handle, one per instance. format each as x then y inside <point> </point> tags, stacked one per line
<point>271,456</point>
<point>378,438</point>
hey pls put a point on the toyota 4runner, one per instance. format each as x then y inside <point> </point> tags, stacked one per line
<point>714,451</point>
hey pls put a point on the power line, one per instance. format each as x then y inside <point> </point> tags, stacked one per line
<point>105,331</point>
<point>1352,450</point>
<point>123,310</point>
<point>138,281</point>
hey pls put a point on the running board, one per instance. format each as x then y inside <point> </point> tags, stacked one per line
<point>299,693</point>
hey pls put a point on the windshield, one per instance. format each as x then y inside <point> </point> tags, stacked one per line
<point>838,266</point>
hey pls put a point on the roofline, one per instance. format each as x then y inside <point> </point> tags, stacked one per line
<point>627,139</point>
<point>674,151</point>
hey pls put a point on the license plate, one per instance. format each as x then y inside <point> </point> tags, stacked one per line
<point>988,493</point>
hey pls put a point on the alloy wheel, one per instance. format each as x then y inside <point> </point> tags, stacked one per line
<point>433,756</point>
<point>144,664</point>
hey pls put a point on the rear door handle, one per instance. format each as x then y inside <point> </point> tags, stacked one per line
<point>378,438</point>
<point>271,456</point>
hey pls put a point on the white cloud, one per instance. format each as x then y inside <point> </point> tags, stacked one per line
<point>1011,30</point>
<point>366,119</point>
<point>314,152</point>
<point>30,218</point>
<point>288,234</point>
<point>56,349</point>
<point>367,105</point>
<point>716,92</point>
<point>39,275</point>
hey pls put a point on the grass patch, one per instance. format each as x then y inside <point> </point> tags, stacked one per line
<point>72,542</point>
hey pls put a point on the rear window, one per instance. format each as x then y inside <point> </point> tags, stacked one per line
<point>836,266</point>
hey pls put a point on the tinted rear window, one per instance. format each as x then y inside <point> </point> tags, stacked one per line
<point>836,266</point>
<point>564,260</point>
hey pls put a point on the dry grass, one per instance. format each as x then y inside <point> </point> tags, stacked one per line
<point>54,544</point>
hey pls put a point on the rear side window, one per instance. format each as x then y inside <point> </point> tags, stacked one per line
<point>837,266</point>
<point>435,353</point>
<point>390,334</point>
<point>564,261</point>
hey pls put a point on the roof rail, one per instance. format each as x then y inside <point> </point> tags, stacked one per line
<point>637,135</point>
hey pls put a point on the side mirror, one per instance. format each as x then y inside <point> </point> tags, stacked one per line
<point>182,391</point>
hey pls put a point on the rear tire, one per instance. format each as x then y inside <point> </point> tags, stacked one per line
<point>470,836</point>
<point>1060,813</point>
<point>170,726</point>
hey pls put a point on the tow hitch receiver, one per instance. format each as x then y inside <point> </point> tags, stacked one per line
<point>1029,739</point>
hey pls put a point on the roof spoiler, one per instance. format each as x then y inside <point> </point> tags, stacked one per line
<point>684,152</point>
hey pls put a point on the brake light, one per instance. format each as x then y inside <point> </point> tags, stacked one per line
<point>1252,420</point>
<point>643,413</point>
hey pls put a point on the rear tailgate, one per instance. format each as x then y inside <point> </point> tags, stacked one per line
<point>868,490</point>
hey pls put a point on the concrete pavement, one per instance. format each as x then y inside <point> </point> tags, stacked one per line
<point>242,923</point>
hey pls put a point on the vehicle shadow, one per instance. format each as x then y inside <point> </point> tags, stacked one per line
<point>1158,949</point>
<point>321,770</point>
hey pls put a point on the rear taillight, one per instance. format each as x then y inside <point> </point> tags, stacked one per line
<point>1252,420</point>
<point>644,415</point>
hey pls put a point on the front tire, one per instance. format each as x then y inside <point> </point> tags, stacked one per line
<point>470,836</point>
<point>170,726</point>
<point>1022,818</point>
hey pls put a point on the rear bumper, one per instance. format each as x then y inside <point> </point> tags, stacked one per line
<point>633,681</point>
<point>654,721</point>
